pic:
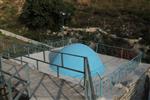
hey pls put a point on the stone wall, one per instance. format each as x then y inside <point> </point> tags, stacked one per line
<point>136,90</point>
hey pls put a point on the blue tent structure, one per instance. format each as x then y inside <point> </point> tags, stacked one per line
<point>74,62</point>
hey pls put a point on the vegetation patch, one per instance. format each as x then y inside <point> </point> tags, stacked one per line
<point>39,18</point>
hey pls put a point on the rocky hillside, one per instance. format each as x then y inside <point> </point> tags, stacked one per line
<point>126,18</point>
<point>9,13</point>
<point>123,18</point>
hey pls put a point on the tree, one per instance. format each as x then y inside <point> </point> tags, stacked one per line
<point>146,36</point>
<point>44,14</point>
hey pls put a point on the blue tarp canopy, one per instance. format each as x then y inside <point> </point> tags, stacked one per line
<point>74,62</point>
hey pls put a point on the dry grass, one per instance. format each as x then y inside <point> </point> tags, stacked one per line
<point>113,4</point>
<point>7,42</point>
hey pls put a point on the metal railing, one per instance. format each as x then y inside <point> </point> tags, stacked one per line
<point>104,85</point>
<point>89,89</point>
<point>8,79</point>
<point>11,54</point>
<point>101,86</point>
<point>116,51</point>
<point>86,71</point>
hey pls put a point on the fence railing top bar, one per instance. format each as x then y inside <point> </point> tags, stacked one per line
<point>22,80</point>
<point>44,62</point>
<point>20,60</point>
<point>43,45</point>
<point>139,55</point>
<point>126,63</point>
<point>4,57</point>
<point>55,40</point>
<point>114,47</point>
<point>30,46</point>
<point>107,45</point>
<point>69,54</point>
<point>55,64</point>
<point>89,80</point>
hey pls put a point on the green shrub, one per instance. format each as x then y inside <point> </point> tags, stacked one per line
<point>44,14</point>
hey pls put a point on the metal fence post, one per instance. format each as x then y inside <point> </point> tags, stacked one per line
<point>57,71</point>
<point>97,48</point>
<point>44,55</point>
<point>28,50</point>
<point>28,79</point>
<point>1,75</point>
<point>37,64</point>
<point>62,60</point>
<point>21,60</point>
<point>101,86</point>
<point>8,54</point>
<point>14,49</point>
<point>10,89</point>
<point>121,53</point>
<point>89,89</point>
<point>141,55</point>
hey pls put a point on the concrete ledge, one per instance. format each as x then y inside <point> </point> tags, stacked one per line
<point>7,33</point>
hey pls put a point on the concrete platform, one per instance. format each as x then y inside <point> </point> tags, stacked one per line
<point>44,86</point>
<point>55,84</point>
